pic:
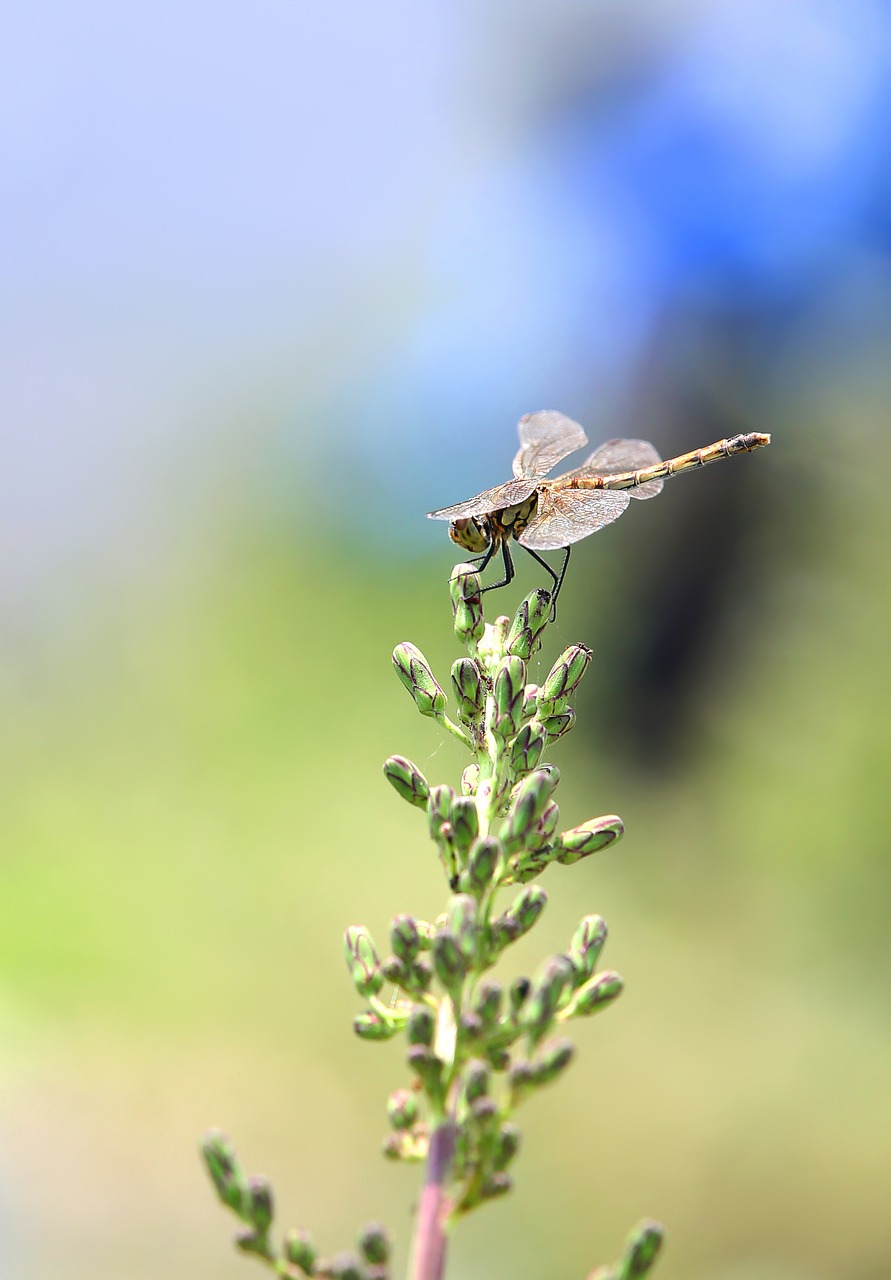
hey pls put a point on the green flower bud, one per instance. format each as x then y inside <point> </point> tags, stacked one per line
<point>465,822</point>
<point>542,834</point>
<point>482,864</point>
<point>497,1184</point>
<point>393,970</point>
<point>371,1026</point>
<point>521,1081</point>
<point>488,1003</point>
<point>405,938</point>
<point>421,975</point>
<point>563,678</point>
<point>507,696</point>
<point>300,1250</point>
<point>484,1111</point>
<point>402,1108</point>
<point>439,808</point>
<point>464,588</point>
<point>463,925</point>
<point>528,747</point>
<point>559,724</point>
<point>421,1025</point>
<point>507,1146</point>
<point>374,1244</point>
<point>470,780</point>
<point>498,1057</point>
<point>587,943</point>
<point>596,994</point>
<point>529,803</point>
<point>471,1026</point>
<point>530,701</point>
<point>449,962</point>
<point>539,1011</point>
<point>362,961</point>
<point>528,624</point>
<point>414,671</point>
<point>519,993</point>
<point>590,837</point>
<point>343,1266</point>
<point>407,779</point>
<point>258,1206</point>
<point>225,1172</point>
<point>527,906</point>
<point>641,1248</point>
<point>469,690</point>
<point>475,1079</point>
<point>426,1066</point>
<point>553,1061</point>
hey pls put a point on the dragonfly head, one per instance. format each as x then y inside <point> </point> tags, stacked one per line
<point>473,534</point>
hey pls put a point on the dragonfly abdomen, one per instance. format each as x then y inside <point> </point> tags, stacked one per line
<point>673,466</point>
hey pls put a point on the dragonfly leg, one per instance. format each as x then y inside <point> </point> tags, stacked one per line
<point>508,568</point>
<point>556,578</point>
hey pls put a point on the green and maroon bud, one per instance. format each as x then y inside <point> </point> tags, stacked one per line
<point>470,780</point>
<point>375,1244</point>
<point>362,961</point>
<point>402,1109</point>
<point>563,678</point>
<point>439,808</point>
<point>225,1172</point>
<point>471,1026</point>
<point>641,1248</point>
<point>553,982</point>
<point>300,1250</point>
<point>507,697</point>
<point>343,1266</point>
<point>414,671</point>
<point>528,747</point>
<point>507,1146</point>
<point>527,907</point>
<point>498,1057</point>
<point>521,1081</point>
<point>407,779</point>
<point>482,865</point>
<point>559,724</point>
<point>595,994</point>
<point>258,1205</point>
<point>519,993</point>
<point>475,1079</point>
<point>421,1025</point>
<point>497,1184</point>
<point>371,1026</point>
<point>488,1003</point>
<point>543,833</point>
<point>393,970</point>
<point>424,1063</point>
<point>405,938</point>
<point>529,622</point>
<point>469,690</point>
<point>553,1060</point>
<point>592,836</point>
<point>449,962</point>
<point>530,799</point>
<point>465,823</point>
<point>467,604</point>
<point>530,701</point>
<point>586,946</point>
<point>463,925</point>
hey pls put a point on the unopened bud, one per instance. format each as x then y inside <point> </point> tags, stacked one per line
<point>362,961</point>
<point>463,926</point>
<point>469,690</point>
<point>507,1146</point>
<point>488,1003</point>
<point>259,1208</point>
<point>553,1061</point>
<point>371,1026</point>
<point>529,803</point>
<point>482,864</point>
<point>580,842</point>
<point>470,780</point>
<point>464,588</point>
<point>559,724</point>
<point>414,671</point>
<point>586,946</point>
<point>402,1108</point>
<point>465,822</point>
<point>596,994</point>
<point>541,1008</point>
<point>225,1172</point>
<point>421,1025</point>
<point>407,779</point>
<point>374,1243</point>
<point>300,1250</point>
<point>528,747</point>
<point>563,678</point>
<point>448,961</point>
<point>475,1079</point>
<point>641,1248</point>
<point>507,696</point>
<point>426,1066</point>
<point>528,624</point>
<point>405,938</point>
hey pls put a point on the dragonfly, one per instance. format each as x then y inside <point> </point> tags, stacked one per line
<point>542,514</point>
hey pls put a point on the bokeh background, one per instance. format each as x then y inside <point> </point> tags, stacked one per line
<point>277,279</point>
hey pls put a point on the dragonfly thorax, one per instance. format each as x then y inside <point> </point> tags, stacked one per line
<point>472,535</point>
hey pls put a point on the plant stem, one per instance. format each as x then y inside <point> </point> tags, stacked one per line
<point>428,1262</point>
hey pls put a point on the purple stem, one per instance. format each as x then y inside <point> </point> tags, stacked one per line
<point>430,1237</point>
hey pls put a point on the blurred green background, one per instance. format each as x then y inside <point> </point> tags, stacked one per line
<point>277,284</point>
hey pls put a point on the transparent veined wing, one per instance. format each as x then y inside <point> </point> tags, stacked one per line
<point>546,438</point>
<point>564,516</point>
<point>617,456</point>
<point>503,495</point>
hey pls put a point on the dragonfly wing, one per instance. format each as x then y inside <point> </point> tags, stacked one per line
<point>546,438</point>
<point>503,495</point>
<point>565,516</point>
<point>618,456</point>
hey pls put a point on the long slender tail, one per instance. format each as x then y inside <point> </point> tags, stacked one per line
<point>684,462</point>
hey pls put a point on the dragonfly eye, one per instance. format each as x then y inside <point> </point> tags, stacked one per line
<point>470,534</point>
